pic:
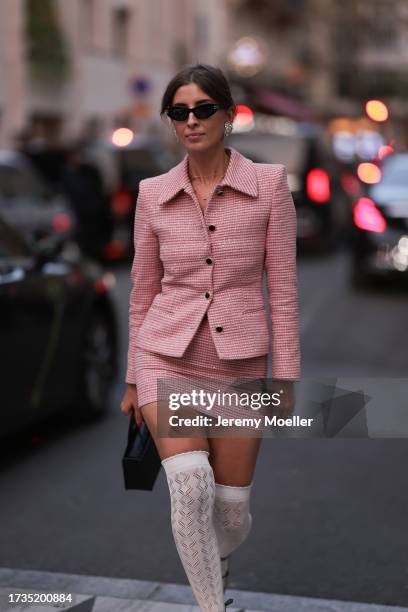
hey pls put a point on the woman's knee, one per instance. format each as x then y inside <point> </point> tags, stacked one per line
<point>234,460</point>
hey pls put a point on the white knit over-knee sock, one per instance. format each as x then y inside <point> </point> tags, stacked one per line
<point>192,492</point>
<point>232,518</point>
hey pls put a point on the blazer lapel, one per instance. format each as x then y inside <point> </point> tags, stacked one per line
<point>240,175</point>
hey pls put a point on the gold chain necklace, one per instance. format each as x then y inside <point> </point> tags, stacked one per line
<point>200,194</point>
<point>193,178</point>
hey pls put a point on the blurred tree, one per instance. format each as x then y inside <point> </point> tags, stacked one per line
<point>47,51</point>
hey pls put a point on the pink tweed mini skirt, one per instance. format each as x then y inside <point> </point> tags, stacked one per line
<point>199,362</point>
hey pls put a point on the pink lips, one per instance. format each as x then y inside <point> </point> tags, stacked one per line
<point>194,136</point>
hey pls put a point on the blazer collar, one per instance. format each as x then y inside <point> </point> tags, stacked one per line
<point>240,175</point>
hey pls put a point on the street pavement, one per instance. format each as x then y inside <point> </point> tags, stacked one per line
<point>329,514</point>
<point>99,594</point>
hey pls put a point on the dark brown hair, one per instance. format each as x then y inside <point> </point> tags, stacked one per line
<point>209,78</point>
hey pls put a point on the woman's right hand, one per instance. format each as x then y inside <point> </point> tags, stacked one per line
<point>129,402</point>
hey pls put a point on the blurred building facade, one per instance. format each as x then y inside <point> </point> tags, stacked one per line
<point>116,56</point>
<point>333,55</point>
<point>119,55</point>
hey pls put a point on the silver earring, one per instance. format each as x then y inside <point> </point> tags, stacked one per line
<point>175,133</point>
<point>228,127</point>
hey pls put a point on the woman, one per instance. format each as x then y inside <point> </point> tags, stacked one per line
<point>204,232</point>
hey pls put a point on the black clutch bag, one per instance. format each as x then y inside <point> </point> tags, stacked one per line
<point>141,461</point>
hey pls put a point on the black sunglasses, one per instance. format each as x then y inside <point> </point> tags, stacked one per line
<point>202,111</point>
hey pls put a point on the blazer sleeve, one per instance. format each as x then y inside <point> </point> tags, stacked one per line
<point>281,278</point>
<point>146,274</point>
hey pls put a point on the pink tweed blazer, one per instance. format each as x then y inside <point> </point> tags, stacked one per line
<point>188,262</point>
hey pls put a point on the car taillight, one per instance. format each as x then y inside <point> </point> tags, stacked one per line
<point>104,283</point>
<point>318,185</point>
<point>100,286</point>
<point>61,222</point>
<point>350,184</point>
<point>115,249</point>
<point>368,217</point>
<point>121,203</point>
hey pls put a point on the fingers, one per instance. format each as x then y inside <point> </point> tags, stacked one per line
<point>124,408</point>
<point>127,407</point>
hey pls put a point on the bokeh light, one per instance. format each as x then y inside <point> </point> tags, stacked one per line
<point>376,110</point>
<point>121,137</point>
<point>368,173</point>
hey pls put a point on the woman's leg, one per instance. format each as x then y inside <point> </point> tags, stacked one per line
<point>191,483</point>
<point>232,518</point>
<point>192,491</point>
<point>234,459</point>
<point>233,462</point>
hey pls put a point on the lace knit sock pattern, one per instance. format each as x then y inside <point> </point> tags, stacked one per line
<point>192,493</point>
<point>232,519</point>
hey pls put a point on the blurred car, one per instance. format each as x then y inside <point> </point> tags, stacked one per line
<point>82,183</point>
<point>80,177</point>
<point>314,177</point>
<point>379,240</point>
<point>106,233</point>
<point>144,157</point>
<point>29,203</point>
<point>58,349</point>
